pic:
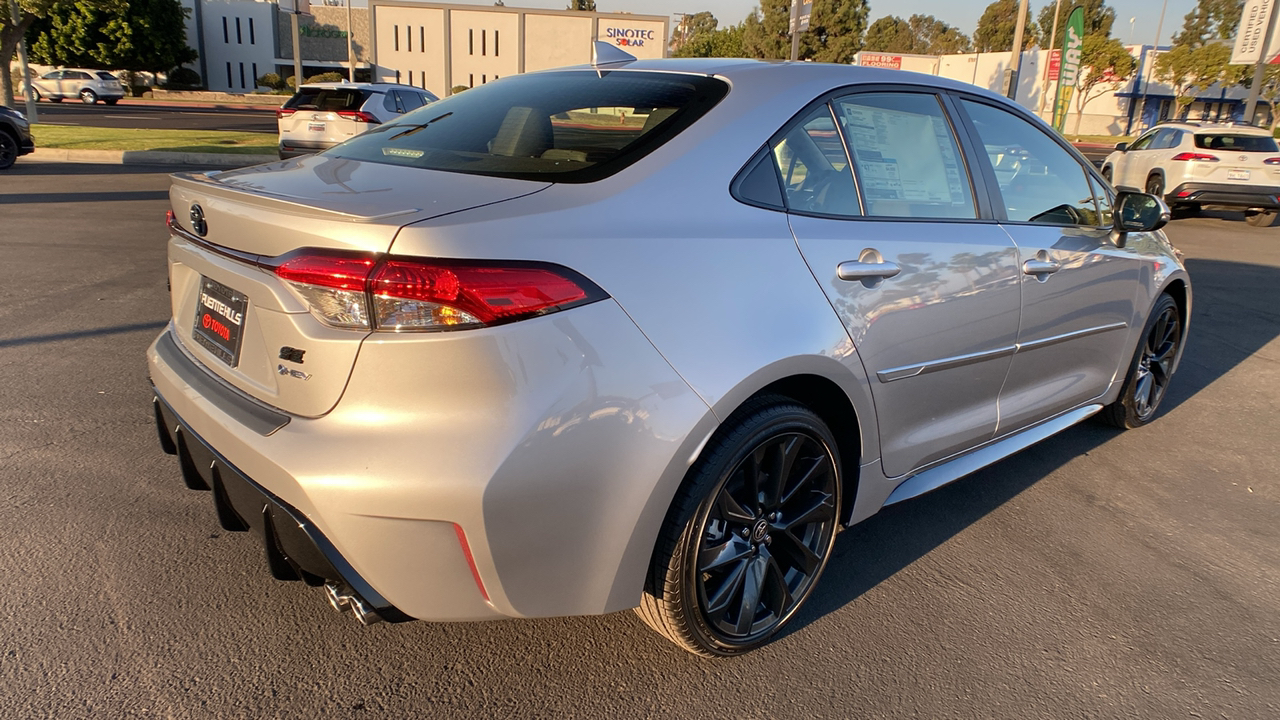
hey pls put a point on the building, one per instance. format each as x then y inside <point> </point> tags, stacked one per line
<point>429,45</point>
<point>1122,108</point>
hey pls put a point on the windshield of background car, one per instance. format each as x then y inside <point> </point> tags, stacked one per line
<point>331,99</point>
<point>1237,143</point>
<point>569,126</point>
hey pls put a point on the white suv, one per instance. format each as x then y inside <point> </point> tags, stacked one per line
<point>1195,164</point>
<point>88,85</point>
<point>321,115</point>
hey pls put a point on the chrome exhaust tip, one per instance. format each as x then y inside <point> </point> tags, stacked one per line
<point>342,598</point>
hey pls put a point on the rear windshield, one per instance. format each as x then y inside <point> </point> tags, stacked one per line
<point>569,126</point>
<point>327,99</point>
<point>1238,143</point>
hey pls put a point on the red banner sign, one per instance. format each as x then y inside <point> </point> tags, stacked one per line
<point>881,60</point>
<point>1055,64</point>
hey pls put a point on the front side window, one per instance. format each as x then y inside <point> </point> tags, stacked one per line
<point>1143,142</point>
<point>905,155</point>
<point>814,167</point>
<point>568,126</point>
<point>1039,181</point>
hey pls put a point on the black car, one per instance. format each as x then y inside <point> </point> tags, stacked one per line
<point>15,137</point>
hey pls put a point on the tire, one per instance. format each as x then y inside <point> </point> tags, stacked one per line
<point>55,99</point>
<point>36,93</point>
<point>1150,370</point>
<point>1155,186</point>
<point>774,541</point>
<point>88,97</point>
<point>8,150</point>
<point>1262,218</point>
<point>111,101</point>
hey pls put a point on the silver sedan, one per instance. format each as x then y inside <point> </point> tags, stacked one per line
<point>645,334</point>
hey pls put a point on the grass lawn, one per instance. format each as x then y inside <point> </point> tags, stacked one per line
<point>207,141</point>
<point>1100,139</point>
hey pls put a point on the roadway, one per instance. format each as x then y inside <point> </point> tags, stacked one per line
<point>1100,574</point>
<point>170,116</point>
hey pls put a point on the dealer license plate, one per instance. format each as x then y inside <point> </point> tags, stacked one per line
<point>1237,174</point>
<point>315,127</point>
<point>220,313</point>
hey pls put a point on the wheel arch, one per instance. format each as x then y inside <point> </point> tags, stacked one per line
<point>1156,172</point>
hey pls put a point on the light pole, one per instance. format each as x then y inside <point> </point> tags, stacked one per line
<point>1155,50</point>
<point>1016,64</point>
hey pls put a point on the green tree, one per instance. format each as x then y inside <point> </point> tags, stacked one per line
<point>835,31</point>
<point>997,25</point>
<point>582,5</point>
<point>1192,70</point>
<point>1105,65</point>
<point>722,42</point>
<point>922,34</point>
<point>690,26</point>
<point>29,11</point>
<point>1098,19</point>
<point>1210,20</point>
<point>134,35</point>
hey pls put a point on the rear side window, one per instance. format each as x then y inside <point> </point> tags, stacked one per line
<point>327,99</point>
<point>814,167</point>
<point>410,100</point>
<point>905,155</point>
<point>103,75</point>
<point>1237,143</point>
<point>569,126</point>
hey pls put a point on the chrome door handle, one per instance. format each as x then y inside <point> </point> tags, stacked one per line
<point>1041,267</point>
<point>858,270</point>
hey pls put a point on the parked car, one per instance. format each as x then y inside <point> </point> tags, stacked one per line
<point>1192,165</point>
<point>88,85</point>
<point>642,334</point>
<point>321,115</point>
<point>15,137</point>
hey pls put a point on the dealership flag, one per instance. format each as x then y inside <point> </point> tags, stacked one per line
<point>1072,42</point>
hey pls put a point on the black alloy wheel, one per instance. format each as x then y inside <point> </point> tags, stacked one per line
<point>1152,368</point>
<point>1155,186</point>
<point>8,150</point>
<point>749,534</point>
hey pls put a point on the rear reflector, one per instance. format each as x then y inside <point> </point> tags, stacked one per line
<point>355,290</point>
<point>1204,157</point>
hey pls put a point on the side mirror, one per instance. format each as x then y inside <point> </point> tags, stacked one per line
<point>1122,146</point>
<point>1138,212</point>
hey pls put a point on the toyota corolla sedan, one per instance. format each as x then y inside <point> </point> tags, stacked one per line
<point>645,334</point>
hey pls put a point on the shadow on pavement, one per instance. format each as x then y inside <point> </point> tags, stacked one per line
<point>34,168</point>
<point>79,334</point>
<point>1229,324</point>
<point>77,197</point>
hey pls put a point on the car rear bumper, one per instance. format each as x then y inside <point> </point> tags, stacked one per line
<point>1247,196</point>
<point>296,148</point>
<point>515,471</point>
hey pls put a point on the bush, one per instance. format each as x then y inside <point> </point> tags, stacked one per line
<point>272,80</point>
<point>183,79</point>
<point>457,89</point>
<point>327,77</point>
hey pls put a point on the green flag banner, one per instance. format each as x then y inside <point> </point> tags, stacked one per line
<point>1072,41</point>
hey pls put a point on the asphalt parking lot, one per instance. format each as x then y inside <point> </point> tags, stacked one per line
<point>1099,574</point>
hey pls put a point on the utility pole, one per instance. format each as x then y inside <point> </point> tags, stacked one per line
<point>795,30</point>
<point>1016,64</point>
<point>28,92</point>
<point>1251,105</point>
<point>1151,60</point>
<point>351,48</point>
<point>1053,37</point>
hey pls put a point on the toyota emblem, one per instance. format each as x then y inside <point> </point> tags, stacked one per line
<point>1243,158</point>
<point>198,224</point>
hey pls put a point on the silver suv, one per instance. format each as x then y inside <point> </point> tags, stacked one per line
<point>1195,164</point>
<point>321,115</point>
<point>88,85</point>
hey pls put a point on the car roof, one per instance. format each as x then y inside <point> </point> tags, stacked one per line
<point>1206,128</point>
<point>361,85</point>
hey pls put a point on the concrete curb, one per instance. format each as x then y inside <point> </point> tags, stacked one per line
<point>148,157</point>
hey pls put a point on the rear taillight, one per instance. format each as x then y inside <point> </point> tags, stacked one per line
<point>1202,157</point>
<point>1272,161</point>
<point>358,116</point>
<point>352,290</point>
<point>284,112</point>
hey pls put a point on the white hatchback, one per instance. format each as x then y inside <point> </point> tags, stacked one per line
<point>321,115</point>
<point>1192,164</point>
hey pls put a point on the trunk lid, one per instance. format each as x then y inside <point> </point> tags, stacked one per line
<point>236,317</point>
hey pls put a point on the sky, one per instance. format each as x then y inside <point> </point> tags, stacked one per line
<point>963,14</point>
